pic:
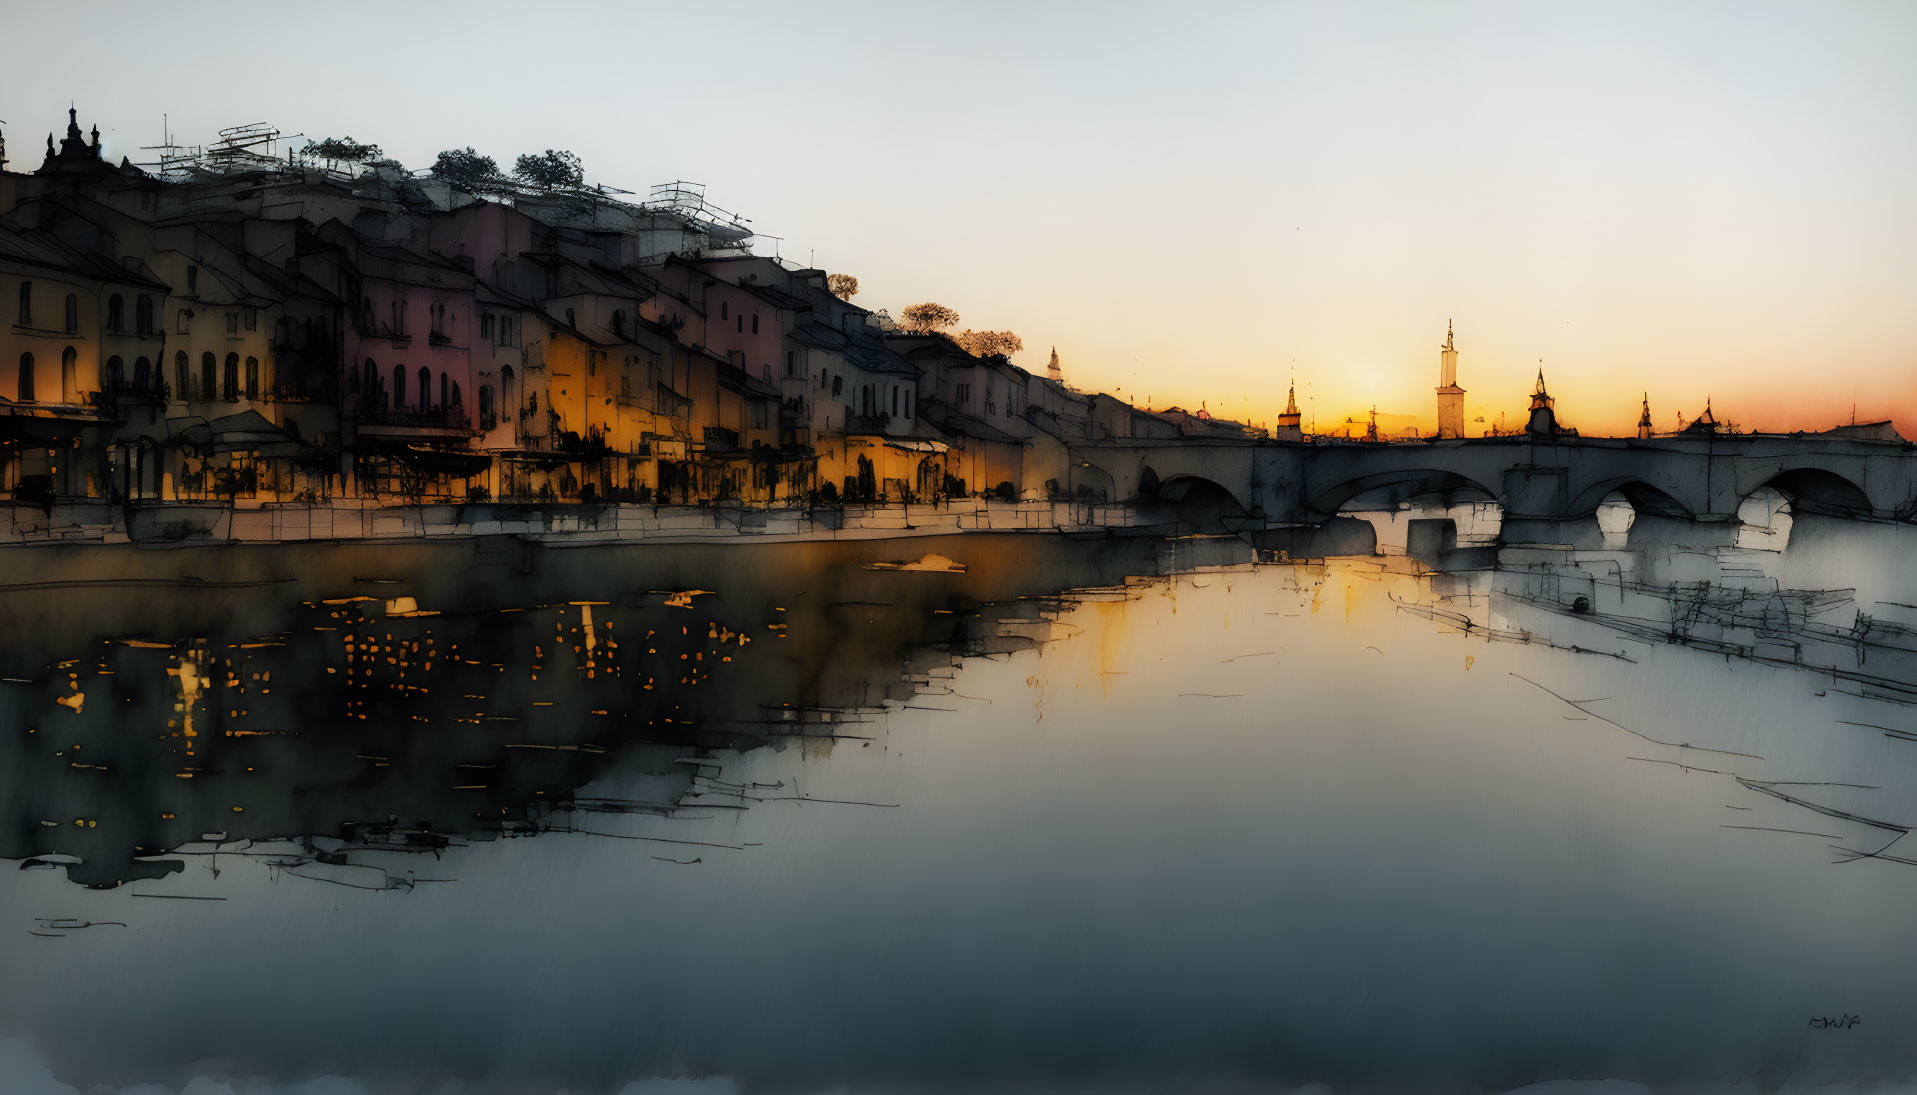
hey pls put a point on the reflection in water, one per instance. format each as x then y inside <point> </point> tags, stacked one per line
<point>905,817</point>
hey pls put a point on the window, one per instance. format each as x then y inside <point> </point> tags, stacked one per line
<point>837,381</point>
<point>724,310</point>
<point>73,314</point>
<point>232,323</point>
<point>116,314</point>
<point>908,406</point>
<point>143,315</point>
<point>230,379</point>
<point>192,279</point>
<point>791,363</point>
<point>399,386</point>
<point>425,388</point>
<point>182,376</point>
<point>456,404</point>
<point>755,323</point>
<point>209,379</point>
<point>486,406</point>
<point>822,379</point>
<point>506,331</point>
<point>740,325</point>
<point>895,401</point>
<point>399,318</point>
<point>570,321</point>
<point>366,314</point>
<point>439,318</point>
<point>180,321</point>
<point>486,326</point>
<point>25,394</point>
<point>964,394</point>
<point>619,322</point>
<point>26,304</point>
<point>252,378</point>
<point>142,374</point>
<point>115,373</point>
<point>445,390</point>
<point>759,414</point>
<point>370,390</point>
<point>252,319</point>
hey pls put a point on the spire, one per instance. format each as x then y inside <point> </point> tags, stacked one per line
<point>1644,420</point>
<point>1447,336</point>
<point>1052,368</point>
<point>1291,399</point>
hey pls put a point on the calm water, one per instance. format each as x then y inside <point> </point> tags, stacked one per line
<point>793,818</point>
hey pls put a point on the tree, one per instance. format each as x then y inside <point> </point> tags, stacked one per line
<point>550,171</point>
<point>342,149</point>
<point>466,168</point>
<point>927,317</point>
<point>843,286</point>
<point>989,343</point>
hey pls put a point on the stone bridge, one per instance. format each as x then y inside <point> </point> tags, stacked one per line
<point>1538,484</point>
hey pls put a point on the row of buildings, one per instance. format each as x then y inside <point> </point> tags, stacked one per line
<point>254,331</point>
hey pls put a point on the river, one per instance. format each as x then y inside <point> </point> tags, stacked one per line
<point>966,813</point>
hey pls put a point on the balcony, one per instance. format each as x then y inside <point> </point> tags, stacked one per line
<point>439,418</point>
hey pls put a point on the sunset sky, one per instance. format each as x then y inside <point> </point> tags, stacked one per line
<point>1193,203</point>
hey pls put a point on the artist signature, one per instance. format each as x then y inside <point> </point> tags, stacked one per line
<point>1841,1022</point>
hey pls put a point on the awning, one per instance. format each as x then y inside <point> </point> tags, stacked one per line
<point>910,445</point>
<point>454,462</point>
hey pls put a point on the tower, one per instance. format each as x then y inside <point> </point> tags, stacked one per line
<point>1450,396</point>
<point>1544,418</point>
<point>1644,420</point>
<point>1288,422</point>
<point>1052,369</point>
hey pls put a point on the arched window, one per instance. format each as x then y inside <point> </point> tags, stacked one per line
<point>25,394</point>
<point>143,315</point>
<point>455,404</point>
<point>445,392</point>
<point>116,314</point>
<point>895,401</point>
<point>370,392</point>
<point>439,318</point>
<point>209,375</point>
<point>26,304</point>
<point>399,386</point>
<point>182,376</point>
<point>570,321</point>
<point>252,378</point>
<point>142,374</point>
<point>508,401</point>
<point>837,383</point>
<point>755,323</point>
<point>69,374</point>
<point>115,373</point>
<point>73,314</point>
<point>619,322</point>
<point>485,406</point>
<point>425,388</point>
<point>230,379</point>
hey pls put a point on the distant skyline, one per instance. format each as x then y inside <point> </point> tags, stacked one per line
<point>1194,205</point>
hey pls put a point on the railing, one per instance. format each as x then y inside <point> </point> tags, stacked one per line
<point>450,418</point>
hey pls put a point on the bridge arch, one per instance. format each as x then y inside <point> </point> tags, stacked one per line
<point>1644,498</point>
<point>1817,490</point>
<point>1402,483</point>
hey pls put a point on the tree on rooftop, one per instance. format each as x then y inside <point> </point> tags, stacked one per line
<point>341,149</point>
<point>926,317</point>
<point>466,168</point>
<point>551,170</point>
<point>843,286</point>
<point>988,343</point>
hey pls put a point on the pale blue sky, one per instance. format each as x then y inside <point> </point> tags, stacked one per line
<point>1696,199</point>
